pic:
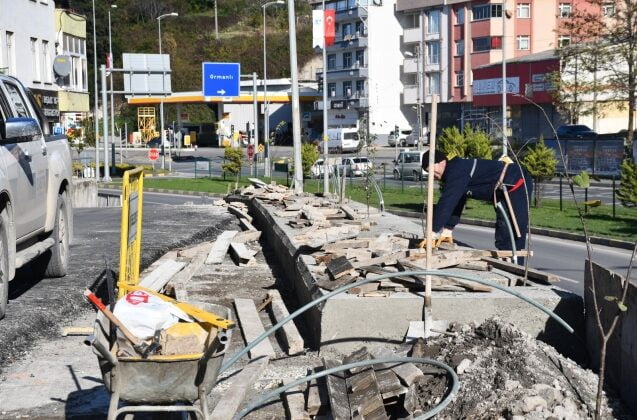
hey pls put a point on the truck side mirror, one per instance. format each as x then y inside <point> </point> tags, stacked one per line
<point>16,130</point>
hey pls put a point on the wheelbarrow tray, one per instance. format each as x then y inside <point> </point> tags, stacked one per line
<point>162,379</point>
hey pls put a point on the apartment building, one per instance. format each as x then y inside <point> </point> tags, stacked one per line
<point>27,48</point>
<point>71,50</point>
<point>452,38</point>
<point>363,81</point>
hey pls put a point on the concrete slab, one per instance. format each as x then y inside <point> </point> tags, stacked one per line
<point>345,322</point>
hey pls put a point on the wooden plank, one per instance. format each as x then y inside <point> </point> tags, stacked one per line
<point>317,398</point>
<point>239,213</point>
<point>388,381</point>
<point>338,267</point>
<point>365,401</point>
<point>475,265</point>
<point>388,259</point>
<point>247,236</point>
<point>251,327</point>
<point>247,225</point>
<point>220,247</point>
<point>289,332</point>
<point>337,391</point>
<point>234,396</point>
<point>241,253</point>
<point>295,403</point>
<point>341,245</point>
<point>357,356</point>
<point>158,278</point>
<point>349,212</point>
<point>534,274</point>
<point>474,287</point>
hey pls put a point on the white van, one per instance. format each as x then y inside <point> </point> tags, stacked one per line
<point>342,140</point>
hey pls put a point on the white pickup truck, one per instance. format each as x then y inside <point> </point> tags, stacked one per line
<point>35,190</point>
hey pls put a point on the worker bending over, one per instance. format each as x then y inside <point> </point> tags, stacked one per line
<point>486,180</point>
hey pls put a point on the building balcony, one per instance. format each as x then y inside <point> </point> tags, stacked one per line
<point>340,72</point>
<point>432,65</point>
<point>353,101</point>
<point>356,40</point>
<point>412,35</point>
<point>410,94</point>
<point>410,65</point>
<point>353,14</point>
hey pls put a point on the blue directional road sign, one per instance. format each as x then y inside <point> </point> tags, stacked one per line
<point>221,79</point>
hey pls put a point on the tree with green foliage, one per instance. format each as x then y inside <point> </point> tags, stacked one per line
<point>627,192</point>
<point>470,144</point>
<point>309,155</point>
<point>233,160</point>
<point>541,164</point>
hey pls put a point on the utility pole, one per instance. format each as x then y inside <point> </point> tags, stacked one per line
<point>107,176</point>
<point>216,23</point>
<point>326,152</point>
<point>111,65</point>
<point>95,109</point>
<point>296,112</point>
<point>505,141</point>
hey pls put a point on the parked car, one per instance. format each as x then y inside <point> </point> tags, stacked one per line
<point>409,165</point>
<point>412,140</point>
<point>36,173</point>
<point>355,166</point>
<point>575,131</point>
<point>400,139</point>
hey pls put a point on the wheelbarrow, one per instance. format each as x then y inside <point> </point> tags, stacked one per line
<point>160,383</point>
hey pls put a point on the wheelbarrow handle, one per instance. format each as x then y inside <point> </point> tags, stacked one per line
<point>92,341</point>
<point>111,317</point>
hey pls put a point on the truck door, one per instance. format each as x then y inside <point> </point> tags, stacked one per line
<point>26,163</point>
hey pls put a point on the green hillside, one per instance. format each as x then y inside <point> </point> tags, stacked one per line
<point>190,37</point>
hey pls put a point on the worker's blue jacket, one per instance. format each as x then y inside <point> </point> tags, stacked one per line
<point>475,178</point>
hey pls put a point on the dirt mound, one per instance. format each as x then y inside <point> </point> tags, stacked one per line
<point>505,373</point>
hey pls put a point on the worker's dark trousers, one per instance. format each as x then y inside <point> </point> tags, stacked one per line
<point>520,207</point>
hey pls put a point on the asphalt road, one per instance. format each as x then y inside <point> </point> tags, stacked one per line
<point>39,307</point>
<point>558,256</point>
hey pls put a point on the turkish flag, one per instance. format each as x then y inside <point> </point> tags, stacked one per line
<point>330,34</point>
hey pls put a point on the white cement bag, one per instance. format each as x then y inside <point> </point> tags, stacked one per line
<point>143,313</point>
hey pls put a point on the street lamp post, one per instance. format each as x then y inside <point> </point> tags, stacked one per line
<point>266,108</point>
<point>161,100</point>
<point>107,162</point>
<point>95,111</point>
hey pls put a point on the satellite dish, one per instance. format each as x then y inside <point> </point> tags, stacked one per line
<point>62,65</point>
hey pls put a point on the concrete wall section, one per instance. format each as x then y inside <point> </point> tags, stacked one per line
<point>84,193</point>
<point>621,357</point>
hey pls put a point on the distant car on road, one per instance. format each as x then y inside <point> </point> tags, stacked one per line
<point>409,164</point>
<point>356,166</point>
<point>400,138</point>
<point>575,131</point>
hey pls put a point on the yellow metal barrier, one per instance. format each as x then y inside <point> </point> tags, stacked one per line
<point>131,236</point>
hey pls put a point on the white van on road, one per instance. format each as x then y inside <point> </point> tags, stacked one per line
<point>342,140</point>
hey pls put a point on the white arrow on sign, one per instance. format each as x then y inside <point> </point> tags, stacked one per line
<point>222,92</point>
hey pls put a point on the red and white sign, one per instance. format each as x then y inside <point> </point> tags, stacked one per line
<point>330,30</point>
<point>153,154</point>
<point>250,151</point>
<point>137,297</point>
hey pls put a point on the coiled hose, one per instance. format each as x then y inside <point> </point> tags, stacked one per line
<point>444,273</point>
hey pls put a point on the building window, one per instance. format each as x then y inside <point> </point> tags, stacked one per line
<point>47,67</point>
<point>347,60</point>
<point>35,60</point>
<point>331,61</point>
<point>347,30</point>
<point>347,88</point>
<point>351,4</point>
<point>563,41</point>
<point>608,9</point>
<point>481,44</point>
<point>486,11</point>
<point>565,10</point>
<point>433,21</point>
<point>412,21</point>
<point>341,5</point>
<point>75,48</point>
<point>360,58</point>
<point>460,47</point>
<point>460,78</point>
<point>10,50</point>
<point>360,88</point>
<point>433,83</point>
<point>460,16</point>
<point>523,42</point>
<point>433,53</point>
<point>331,89</point>
<point>524,10</point>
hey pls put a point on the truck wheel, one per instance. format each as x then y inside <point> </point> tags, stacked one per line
<point>4,263</point>
<point>56,261</point>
